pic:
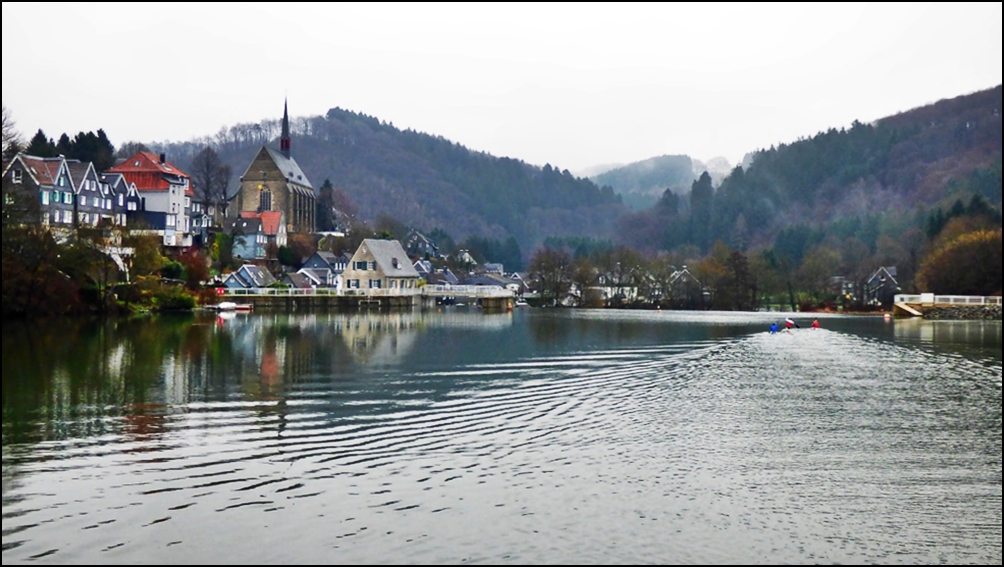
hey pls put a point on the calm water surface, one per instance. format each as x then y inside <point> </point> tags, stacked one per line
<point>539,436</point>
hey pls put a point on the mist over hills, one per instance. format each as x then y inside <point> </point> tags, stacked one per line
<point>640,184</point>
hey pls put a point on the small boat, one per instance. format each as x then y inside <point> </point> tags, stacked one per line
<point>231,306</point>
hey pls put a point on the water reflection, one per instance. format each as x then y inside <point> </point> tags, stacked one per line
<point>533,437</point>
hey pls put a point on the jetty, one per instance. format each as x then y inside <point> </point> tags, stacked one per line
<point>962,306</point>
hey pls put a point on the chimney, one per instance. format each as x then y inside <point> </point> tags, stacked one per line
<point>163,159</point>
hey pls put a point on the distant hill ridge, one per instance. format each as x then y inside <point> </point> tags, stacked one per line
<point>427,181</point>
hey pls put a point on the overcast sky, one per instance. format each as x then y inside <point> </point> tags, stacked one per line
<point>570,85</point>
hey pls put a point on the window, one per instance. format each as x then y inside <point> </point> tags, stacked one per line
<point>132,206</point>
<point>84,219</point>
<point>362,266</point>
<point>373,266</point>
<point>45,198</point>
<point>265,203</point>
<point>121,200</point>
<point>354,284</point>
<point>61,182</point>
<point>393,284</point>
<point>55,196</point>
<point>83,201</point>
<point>376,284</point>
<point>67,198</point>
<point>188,202</point>
<point>55,216</point>
<point>18,175</point>
<point>170,220</point>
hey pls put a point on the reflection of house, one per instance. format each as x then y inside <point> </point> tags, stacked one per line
<point>380,264</point>
<point>274,181</point>
<point>882,287</point>
<point>249,277</point>
<point>163,189</point>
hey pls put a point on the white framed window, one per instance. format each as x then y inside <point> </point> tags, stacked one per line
<point>373,266</point>
<point>132,206</point>
<point>121,200</point>
<point>45,198</point>
<point>393,284</point>
<point>8,199</point>
<point>61,182</point>
<point>376,284</point>
<point>55,216</point>
<point>67,198</point>
<point>84,218</point>
<point>83,200</point>
<point>188,202</point>
<point>18,176</point>
<point>170,220</point>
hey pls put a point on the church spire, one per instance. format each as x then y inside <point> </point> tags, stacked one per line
<point>284,144</point>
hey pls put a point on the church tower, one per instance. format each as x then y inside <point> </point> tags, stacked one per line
<point>284,141</point>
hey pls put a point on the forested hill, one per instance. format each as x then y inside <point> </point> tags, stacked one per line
<point>641,184</point>
<point>859,181</point>
<point>427,181</point>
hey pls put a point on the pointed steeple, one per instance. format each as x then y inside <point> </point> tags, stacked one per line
<point>284,142</point>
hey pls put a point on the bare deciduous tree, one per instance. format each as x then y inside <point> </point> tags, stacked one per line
<point>210,177</point>
<point>12,142</point>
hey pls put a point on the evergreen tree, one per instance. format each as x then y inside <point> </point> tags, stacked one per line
<point>41,146</point>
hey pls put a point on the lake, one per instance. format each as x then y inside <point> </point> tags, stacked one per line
<point>539,436</point>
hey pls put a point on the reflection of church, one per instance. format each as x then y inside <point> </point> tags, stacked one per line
<point>274,182</point>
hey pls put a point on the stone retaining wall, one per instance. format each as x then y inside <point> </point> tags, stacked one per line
<point>964,313</point>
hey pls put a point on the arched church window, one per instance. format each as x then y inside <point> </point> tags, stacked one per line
<point>265,204</point>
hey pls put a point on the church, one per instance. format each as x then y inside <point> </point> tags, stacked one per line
<point>274,182</point>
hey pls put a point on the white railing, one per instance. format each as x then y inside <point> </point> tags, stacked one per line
<point>380,292</point>
<point>281,292</point>
<point>479,291</point>
<point>930,299</point>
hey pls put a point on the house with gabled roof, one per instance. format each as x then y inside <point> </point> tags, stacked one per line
<point>381,265</point>
<point>164,189</point>
<point>39,190</point>
<point>125,197</point>
<point>249,276</point>
<point>326,268</point>
<point>881,287</point>
<point>94,204</point>
<point>249,239</point>
<point>272,226</point>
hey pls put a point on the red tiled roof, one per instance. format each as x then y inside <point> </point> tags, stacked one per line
<point>271,221</point>
<point>147,172</point>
